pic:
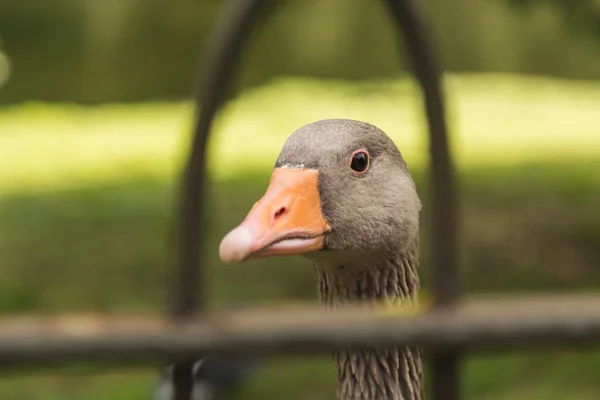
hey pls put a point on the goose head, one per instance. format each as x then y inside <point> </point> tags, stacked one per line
<point>340,192</point>
<point>341,195</point>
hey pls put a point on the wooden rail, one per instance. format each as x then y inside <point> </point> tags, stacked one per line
<point>476,324</point>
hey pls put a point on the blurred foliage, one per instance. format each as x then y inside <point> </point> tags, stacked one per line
<point>87,200</point>
<point>580,15</point>
<point>127,50</point>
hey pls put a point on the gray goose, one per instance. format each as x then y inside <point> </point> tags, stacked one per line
<point>341,195</point>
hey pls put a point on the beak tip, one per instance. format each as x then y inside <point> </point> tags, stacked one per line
<point>235,246</point>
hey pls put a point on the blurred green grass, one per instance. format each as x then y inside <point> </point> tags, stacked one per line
<point>497,120</point>
<point>87,201</point>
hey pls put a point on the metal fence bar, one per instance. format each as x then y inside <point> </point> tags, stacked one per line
<point>189,293</point>
<point>233,29</point>
<point>475,325</point>
<point>418,36</point>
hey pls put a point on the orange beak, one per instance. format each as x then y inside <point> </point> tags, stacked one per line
<point>287,220</point>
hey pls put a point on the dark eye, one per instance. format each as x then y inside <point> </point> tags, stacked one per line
<point>360,161</point>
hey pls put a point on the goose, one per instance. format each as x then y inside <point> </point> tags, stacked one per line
<point>341,196</point>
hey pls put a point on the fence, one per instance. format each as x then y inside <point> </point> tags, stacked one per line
<point>449,329</point>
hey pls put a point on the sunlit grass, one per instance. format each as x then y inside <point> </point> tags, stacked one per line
<point>494,119</point>
<point>66,145</point>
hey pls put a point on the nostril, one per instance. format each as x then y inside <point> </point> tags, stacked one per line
<point>279,213</point>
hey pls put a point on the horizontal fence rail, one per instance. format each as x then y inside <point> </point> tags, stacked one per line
<point>476,324</point>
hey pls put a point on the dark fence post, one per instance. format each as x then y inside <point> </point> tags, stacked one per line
<point>190,294</point>
<point>234,29</point>
<point>418,37</point>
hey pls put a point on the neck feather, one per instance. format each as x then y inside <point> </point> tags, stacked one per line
<point>370,373</point>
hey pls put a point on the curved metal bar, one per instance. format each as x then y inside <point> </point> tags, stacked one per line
<point>189,294</point>
<point>233,29</point>
<point>410,19</point>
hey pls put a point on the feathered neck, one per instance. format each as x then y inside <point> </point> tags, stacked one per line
<point>369,373</point>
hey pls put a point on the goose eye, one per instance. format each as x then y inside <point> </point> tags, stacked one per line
<point>359,161</point>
